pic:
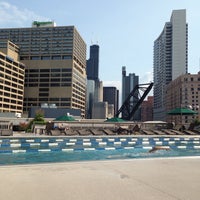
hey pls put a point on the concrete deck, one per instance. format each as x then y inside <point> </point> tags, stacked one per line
<point>166,179</point>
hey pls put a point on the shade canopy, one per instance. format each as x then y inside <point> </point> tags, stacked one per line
<point>65,118</point>
<point>182,111</point>
<point>115,119</point>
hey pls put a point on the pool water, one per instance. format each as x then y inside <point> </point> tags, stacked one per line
<point>69,149</point>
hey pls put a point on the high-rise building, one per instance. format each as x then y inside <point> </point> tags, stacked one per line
<point>111,95</point>
<point>11,78</point>
<point>93,75</point>
<point>128,84</point>
<point>170,58</point>
<point>90,98</point>
<point>93,63</point>
<point>56,64</point>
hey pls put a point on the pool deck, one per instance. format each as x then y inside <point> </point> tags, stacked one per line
<point>138,179</point>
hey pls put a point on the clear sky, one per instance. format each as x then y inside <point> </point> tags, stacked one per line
<point>124,30</point>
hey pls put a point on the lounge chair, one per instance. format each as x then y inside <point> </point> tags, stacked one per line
<point>96,131</point>
<point>70,132</point>
<point>108,132</point>
<point>55,132</point>
<point>147,132</point>
<point>158,132</point>
<point>168,132</point>
<point>177,132</point>
<point>84,132</point>
<point>189,132</point>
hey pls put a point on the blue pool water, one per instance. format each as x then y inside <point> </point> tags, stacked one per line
<point>68,149</point>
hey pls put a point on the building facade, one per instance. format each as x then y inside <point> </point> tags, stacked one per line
<point>128,84</point>
<point>183,92</point>
<point>147,109</point>
<point>100,110</point>
<point>170,58</point>
<point>111,95</point>
<point>11,78</point>
<point>56,65</point>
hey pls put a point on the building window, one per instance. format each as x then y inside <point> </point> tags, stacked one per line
<point>56,57</point>
<point>54,99</point>
<point>44,70</point>
<point>35,58</point>
<point>43,94</point>
<point>34,70</point>
<point>46,58</point>
<point>55,70</point>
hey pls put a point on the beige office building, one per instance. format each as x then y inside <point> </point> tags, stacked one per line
<point>183,92</point>
<point>56,65</point>
<point>11,78</point>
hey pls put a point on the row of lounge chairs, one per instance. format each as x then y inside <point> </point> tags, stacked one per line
<point>81,132</point>
<point>109,131</point>
<point>168,132</point>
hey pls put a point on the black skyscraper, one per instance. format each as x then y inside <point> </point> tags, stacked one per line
<point>111,95</point>
<point>93,63</point>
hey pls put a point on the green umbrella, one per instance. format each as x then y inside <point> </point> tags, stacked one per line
<point>182,111</point>
<point>65,118</point>
<point>115,119</point>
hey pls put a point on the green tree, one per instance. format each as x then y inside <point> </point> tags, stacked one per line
<point>39,116</point>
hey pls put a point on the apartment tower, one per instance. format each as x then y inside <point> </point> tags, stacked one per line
<point>170,58</point>
<point>55,59</point>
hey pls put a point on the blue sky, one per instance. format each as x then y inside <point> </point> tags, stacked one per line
<point>124,30</point>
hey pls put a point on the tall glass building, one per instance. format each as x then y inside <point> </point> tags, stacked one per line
<point>170,58</point>
<point>128,84</point>
<point>55,59</point>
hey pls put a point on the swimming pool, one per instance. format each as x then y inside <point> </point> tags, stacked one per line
<point>66,149</point>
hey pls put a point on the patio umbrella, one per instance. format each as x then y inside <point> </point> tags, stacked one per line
<point>65,118</point>
<point>182,111</point>
<point>115,119</point>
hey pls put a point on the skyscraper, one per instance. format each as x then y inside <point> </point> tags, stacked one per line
<point>170,58</point>
<point>92,70</point>
<point>128,84</point>
<point>93,63</point>
<point>56,64</point>
<point>111,95</point>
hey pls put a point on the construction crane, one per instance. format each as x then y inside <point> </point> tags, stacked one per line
<point>134,100</point>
